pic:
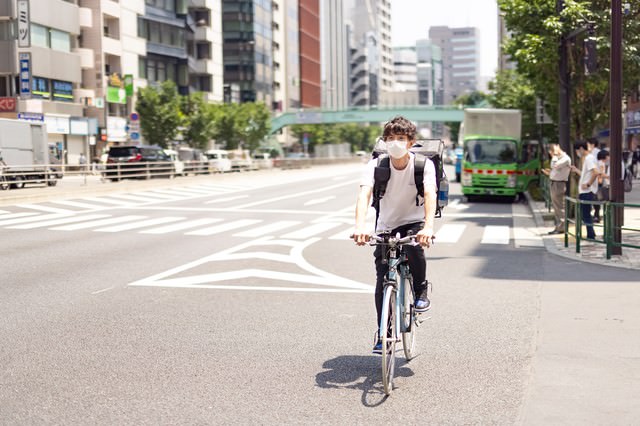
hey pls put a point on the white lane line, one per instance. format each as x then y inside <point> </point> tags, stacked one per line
<point>319,200</point>
<point>266,229</point>
<point>106,200</point>
<point>224,227</point>
<point>220,200</point>
<point>140,224</point>
<point>132,198</point>
<point>97,223</point>
<point>44,208</point>
<point>16,215</point>
<point>495,235</point>
<point>180,226</point>
<point>77,204</point>
<point>343,235</point>
<point>61,221</point>
<point>102,291</point>
<point>32,218</point>
<point>449,233</point>
<point>311,230</point>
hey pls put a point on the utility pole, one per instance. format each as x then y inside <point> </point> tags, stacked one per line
<point>615,82</point>
<point>565,90</point>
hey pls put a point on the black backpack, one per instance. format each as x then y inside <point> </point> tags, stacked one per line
<point>422,149</point>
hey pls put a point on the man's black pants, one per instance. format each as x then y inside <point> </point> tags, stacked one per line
<point>415,258</point>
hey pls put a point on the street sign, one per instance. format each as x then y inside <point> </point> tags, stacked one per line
<point>541,114</point>
<point>99,102</point>
<point>24,24</point>
<point>134,136</point>
<point>134,116</point>
<point>25,74</point>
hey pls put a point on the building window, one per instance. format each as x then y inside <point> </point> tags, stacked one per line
<point>40,88</point>
<point>39,35</point>
<point>60,40</point>
<point>62,91</point>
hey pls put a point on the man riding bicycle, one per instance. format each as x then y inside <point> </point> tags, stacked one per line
<point>400,210</point>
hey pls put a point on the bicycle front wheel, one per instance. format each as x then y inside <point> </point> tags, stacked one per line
<point>407,320</point>
<point>389,338</point>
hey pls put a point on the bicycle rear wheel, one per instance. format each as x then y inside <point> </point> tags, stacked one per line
<point>407,320</point>
<point>389,338</point>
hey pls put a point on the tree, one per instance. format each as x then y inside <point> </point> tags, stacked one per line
<point>198,120</point>
<point>253,122</point>
<point>160,116</point>
<point>536,28</point>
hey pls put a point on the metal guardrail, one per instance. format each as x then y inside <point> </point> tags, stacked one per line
<point>607,225</point>
<point>545,185</point>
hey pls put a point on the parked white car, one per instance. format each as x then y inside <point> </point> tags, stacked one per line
<point>218,160</point>
<point>178,164</point>
<point>262,160</point>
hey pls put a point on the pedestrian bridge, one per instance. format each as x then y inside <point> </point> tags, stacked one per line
<point>420,113</point>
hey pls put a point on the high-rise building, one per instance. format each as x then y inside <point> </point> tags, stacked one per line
<point>460,59</point>
<point>503,35</point>
<point>247,49</point>
<point>310,74</point>
<point>430,79</point>
<point>42,73</point>
<point>205,49</point>
<point>335,55</point>
<point>286,56</point>
<point>405,67</point>
<point>371,32</point>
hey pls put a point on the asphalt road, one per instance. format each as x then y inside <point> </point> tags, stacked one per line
<point>238,299</point>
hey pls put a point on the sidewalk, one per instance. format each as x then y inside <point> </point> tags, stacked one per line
<point>589,251</point>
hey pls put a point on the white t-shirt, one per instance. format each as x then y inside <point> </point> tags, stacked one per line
<point>589,166</point>
<point>398,205</point>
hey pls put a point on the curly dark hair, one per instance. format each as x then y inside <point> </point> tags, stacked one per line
<point>399,126</point>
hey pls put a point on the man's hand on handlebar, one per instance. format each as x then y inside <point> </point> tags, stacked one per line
<point>425,237</point>
<point>360,237</point>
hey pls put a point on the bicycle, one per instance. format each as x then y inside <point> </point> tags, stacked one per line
<point>398,297</point>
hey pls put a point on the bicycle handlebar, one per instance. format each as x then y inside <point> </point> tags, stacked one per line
<point>392,241</point>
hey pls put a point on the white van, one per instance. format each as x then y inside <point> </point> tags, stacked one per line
<point>262,160</point>
<point>218,160</point>
<point>178,164</point>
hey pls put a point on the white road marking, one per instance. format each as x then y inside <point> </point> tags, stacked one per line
<point>16,215</point>
<point>32,218</point>
<point>449,233</point>
<point>133,198</point>
<point>525,233</point>
<point>180,226</point>
<point>155,194</point>
<point>97,223</point>
<point>224,227</point>
<point>102,291</point>
<point>4,212</point>
<point>319,200</point>
<point>266,229</point>
<point>495,235</point>
<point>188,192</point>
<point>77,204</point>
<point>220,200</point>
<point>61,221</point>
<point>106,200</point>
<point>43,208</point>
<point>140,224</point>
<point>311,230</point>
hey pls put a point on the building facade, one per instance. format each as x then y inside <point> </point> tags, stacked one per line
<point>335,55</point>
<point>310,66</point>
<point>460,59</point>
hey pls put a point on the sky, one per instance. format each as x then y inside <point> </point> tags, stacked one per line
<point>411,19</point>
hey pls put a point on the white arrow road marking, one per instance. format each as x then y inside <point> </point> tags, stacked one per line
<point>319,200</point>
<point>330,282</point>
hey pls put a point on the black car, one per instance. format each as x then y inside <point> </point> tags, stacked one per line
<point>138,161</point>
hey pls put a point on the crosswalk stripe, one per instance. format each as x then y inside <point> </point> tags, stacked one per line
<point>58,221</point>
<point>220,200</point>
<point>155,194</point>
<point>16,215</point>
<point>43,208</point>
<point>4,212</point>
<point>140,224</point>
<point>180,226</point>
<point>311,230</point>
<point>33,218</point>
<point>449,233</point>
<point>266,229</point>
<point>525,233</point>
<point>495,235</point>
<point>106,200</point>
<point>181,194</point>
<point>224,227</point>
<point>102,222</point>
<point>76,204</point>
<point>132,198</point>
<point>343,235</point>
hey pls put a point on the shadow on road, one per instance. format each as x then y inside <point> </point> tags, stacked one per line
<point>360,373</point>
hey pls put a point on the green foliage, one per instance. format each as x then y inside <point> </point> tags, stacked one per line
<point>198,120</point>
<point>536,29</point>
<point>160,115</point>
<point>240,125</point>
<point>360,137</point>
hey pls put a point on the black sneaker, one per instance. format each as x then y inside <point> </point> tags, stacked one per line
<point>423,304</point>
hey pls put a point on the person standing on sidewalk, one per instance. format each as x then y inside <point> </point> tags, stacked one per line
<point>588,185</point>
<point>558,173</point>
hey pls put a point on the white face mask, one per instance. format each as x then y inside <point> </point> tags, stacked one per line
<point>397,149</point>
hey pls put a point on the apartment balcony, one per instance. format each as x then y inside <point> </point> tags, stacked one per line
<point>360,99</point>
<point>85,16</point>
<point>112,46</point>
<point>110,8</point>
<point>203,66</point>
<point>204,33</point>
<point>87,60</point>
<point>81,94</point>
<point>202,4</point>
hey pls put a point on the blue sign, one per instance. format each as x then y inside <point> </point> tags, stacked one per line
<point>30,116</point>
<point>135,136</point>
<point>25,74</point>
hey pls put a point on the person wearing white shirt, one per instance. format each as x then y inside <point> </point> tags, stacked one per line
<point>588,185</point>
<point>558,173</point>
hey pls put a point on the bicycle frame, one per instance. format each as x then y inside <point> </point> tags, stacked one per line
<point>397,265</point>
